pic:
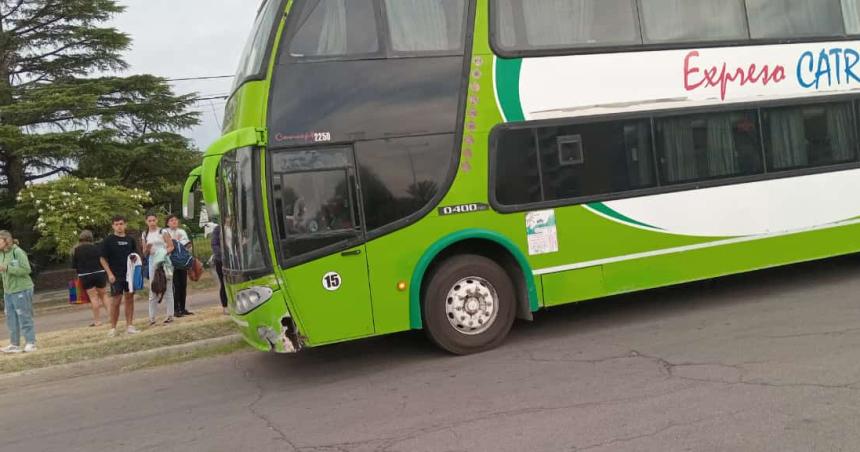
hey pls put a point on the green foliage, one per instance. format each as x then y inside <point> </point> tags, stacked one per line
<point>58,119</point>
<point>61,209</point>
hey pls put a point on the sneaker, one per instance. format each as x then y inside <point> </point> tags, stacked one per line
<point>151,322</point>
<point>168,320</point>
<point>188,313</point>
<point>29,348</point>
<point>11,349</point>
<point>112,332</point>
<point>131,330</point>
<point>225,311</point>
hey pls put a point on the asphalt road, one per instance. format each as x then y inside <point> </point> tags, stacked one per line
<point>764,362</point>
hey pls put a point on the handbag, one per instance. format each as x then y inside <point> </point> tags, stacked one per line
<point>77,294</point>
<point>196,270</point>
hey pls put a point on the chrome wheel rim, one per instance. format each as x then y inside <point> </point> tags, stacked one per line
<point>472,305</point>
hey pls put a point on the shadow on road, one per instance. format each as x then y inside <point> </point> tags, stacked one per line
<point>378,355</point>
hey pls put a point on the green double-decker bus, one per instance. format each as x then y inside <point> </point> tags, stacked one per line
<point>452,165</point>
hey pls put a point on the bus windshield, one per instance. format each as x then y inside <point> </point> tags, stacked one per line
<point>251,63</point>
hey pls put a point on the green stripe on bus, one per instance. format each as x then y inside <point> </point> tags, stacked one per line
<point>508,88</point>
<point>609,212</point>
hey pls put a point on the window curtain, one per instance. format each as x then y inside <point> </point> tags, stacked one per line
<point>840,125</point>
<point>507,29</point>
<point>792,18</point>
<point>419,25</point>
<point>851,14</point>
<point>558,22</point>
<point>333,34</point>
<point>674,20</point>
<point>678,151</point>
<point>640,161</point>
<point>721,147</point>
<point>788,144</point>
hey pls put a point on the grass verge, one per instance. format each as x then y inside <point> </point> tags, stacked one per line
<point>82,344</point>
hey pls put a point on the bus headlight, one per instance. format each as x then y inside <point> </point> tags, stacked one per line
<point>249,299</point>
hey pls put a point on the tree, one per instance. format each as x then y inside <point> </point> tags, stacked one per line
<point>54,113</point>
<point>61,209</point>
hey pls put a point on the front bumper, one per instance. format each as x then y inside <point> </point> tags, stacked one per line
<point>270,327</point>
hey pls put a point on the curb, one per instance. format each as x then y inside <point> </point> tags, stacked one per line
<point>114,363</point>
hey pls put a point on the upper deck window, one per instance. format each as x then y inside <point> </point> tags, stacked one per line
<point>790,18</point>
<point>693,20</point>
<point>539,24</point>
<point>549,26</point>
<point>252,62</point>
<point>374,29</point>
<point>335,28</point>
<point>425,25</point>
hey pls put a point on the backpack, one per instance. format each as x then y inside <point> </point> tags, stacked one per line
<point>158,285</point>
<point>181,258</point>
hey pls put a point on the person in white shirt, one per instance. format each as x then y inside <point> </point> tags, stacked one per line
<point>180,277</point>
<point>154,242</point>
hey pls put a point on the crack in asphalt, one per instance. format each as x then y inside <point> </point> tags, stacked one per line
<point>246,374</point>
<point>387,443</point>
<point>665,428</point>
<point>665,367</point>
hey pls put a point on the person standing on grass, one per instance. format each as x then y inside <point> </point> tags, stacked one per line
<point>86,260</point>
<point>18,295</point>
<point>180,277</point>
<point>218,262</point>
<point>117,249</point>
<point>157,245</point>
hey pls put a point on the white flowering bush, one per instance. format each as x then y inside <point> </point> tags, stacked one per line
<point>61,209</point>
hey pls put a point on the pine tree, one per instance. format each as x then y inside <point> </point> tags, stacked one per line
<point>58,108</point>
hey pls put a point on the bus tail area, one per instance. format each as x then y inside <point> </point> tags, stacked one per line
<point>452,165</point>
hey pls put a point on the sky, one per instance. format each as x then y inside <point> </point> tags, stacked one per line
<point>189,38</point>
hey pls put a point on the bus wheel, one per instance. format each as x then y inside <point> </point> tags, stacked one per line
<point>469,305</point>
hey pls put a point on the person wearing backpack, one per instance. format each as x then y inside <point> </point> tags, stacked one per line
<point>157,245</point>
<point>18,295</point>
<point>180,271</point>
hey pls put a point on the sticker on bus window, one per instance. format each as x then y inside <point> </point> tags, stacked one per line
<point>542,232</point>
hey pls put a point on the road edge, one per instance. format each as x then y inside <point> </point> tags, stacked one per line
<point>109,364</point>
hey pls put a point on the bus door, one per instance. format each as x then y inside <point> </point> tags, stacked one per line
<point>320,233</point>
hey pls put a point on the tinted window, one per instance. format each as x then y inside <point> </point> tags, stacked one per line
<point>401,176</point>
<point>595,159</point>
<point>426,25</point>
<point>517,168</point>
<point>693,20</point>
<point>793,18</point>
<point>314,199</point>
<point>851,15</point>
<point>253,57</point>
<point>335,28</point>
<point>810,136</point>
<point>701,147</point>
<point>540,24</point>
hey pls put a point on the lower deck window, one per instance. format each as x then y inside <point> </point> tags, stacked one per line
<point>590,161</point>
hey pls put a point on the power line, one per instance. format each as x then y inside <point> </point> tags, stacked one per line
<point>212,77</point>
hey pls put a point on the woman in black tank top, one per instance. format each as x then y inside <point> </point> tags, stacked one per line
<point>85,261</point>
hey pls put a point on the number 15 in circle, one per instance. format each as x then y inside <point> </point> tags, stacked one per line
<point>332,281</point>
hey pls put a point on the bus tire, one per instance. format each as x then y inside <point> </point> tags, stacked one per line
<point>469,304</point>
